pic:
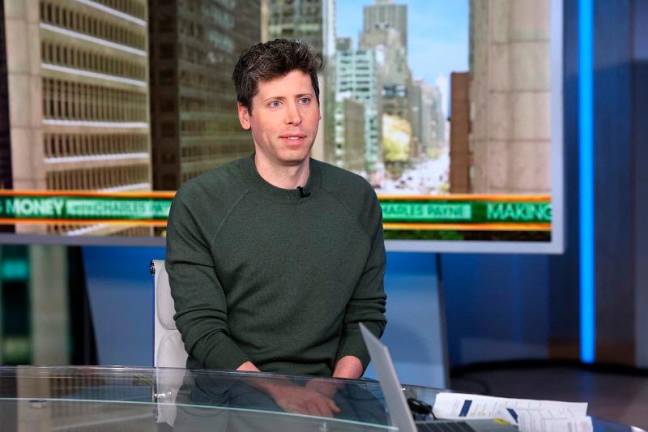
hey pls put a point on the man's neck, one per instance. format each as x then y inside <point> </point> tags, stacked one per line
<point>284,177</point>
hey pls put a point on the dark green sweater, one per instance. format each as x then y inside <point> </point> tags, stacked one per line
<point>265,274</point>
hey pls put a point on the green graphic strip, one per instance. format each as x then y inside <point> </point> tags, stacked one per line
<point>466,212</point>
<point>71,208</point>
<point>100,208</point>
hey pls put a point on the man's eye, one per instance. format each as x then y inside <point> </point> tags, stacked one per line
<point>304,100</point>
<point>274,104</point>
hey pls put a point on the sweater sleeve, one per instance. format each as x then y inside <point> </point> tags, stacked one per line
<point>367,304</point>
<point>200,303</point>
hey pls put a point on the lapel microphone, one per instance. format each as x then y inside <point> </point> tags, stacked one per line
<point>302,192</point>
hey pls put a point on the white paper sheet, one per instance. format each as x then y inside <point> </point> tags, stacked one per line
<point>552,421</point>
<point>461,406</point>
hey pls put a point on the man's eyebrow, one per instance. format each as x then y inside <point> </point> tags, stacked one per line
<point>274,98</point>
<point>282,98</point>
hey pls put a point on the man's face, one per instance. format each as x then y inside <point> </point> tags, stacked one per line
<point>284,119</point>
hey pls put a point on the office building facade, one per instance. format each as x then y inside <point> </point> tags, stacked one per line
<point>311,21</point>
<point>350,135</point>
<point>358,79</point>
<point>460,156</point>
<point>510,135</point>
<point>427,118</point>
<point>77,75</point>
<point>433,118</point>
<point>194,47</point>
<point>385,33</point>
<point>385,14</point>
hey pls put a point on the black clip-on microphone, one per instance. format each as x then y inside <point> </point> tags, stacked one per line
<point>302,192</point>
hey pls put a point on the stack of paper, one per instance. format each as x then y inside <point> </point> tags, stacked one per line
<point>529,415</point>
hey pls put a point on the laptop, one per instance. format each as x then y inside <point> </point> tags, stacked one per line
<point>399,410</point>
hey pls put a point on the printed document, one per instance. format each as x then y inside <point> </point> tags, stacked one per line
<point>529,415</point>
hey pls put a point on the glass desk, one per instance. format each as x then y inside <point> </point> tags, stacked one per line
<point>147,399</point>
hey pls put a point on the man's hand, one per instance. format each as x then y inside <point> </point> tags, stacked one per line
<point>313,399</point>
<point>323,386</point>
<point>302,400</point>
<point>349,367</point>
<point>248,366</point>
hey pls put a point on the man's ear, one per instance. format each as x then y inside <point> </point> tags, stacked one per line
<point>243,115</point>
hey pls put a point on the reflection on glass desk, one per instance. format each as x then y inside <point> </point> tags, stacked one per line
<point>146,399</point>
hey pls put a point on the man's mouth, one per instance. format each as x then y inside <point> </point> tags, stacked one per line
<point>296,137</point>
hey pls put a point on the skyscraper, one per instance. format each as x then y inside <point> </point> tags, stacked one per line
<point>194,47</point>
<point>392,54</point>
<point>350,135</point>
<point>385,14</point>
<point>433,119</point>
<point>77,74</point>
<point>385,33</point>
<point>460,156</point>
<point>415,96</point>
<point>385,29</point>
<point>358,79</point>
<point>311,21</point>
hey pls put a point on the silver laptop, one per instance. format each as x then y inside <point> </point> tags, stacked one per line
<point>397,405</point>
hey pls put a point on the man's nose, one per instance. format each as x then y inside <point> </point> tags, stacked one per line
<point>293,116</point>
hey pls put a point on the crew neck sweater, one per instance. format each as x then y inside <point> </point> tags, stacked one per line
<point>275,276</point>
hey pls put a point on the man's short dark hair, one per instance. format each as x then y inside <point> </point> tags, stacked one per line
<point>270,60</point>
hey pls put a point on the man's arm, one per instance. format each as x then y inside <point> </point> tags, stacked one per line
<point>199,298</point>
<point>367,304</point>
<point>349,367</point>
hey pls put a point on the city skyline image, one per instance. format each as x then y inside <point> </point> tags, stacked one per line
<point>120,102</point>
<point>417,44</point>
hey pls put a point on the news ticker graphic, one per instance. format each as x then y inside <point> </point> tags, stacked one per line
<point>467,212</point>
<point>84,207</point>
<point>400,212</point>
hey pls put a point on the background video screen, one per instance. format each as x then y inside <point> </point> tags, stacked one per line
<point>444,107</point>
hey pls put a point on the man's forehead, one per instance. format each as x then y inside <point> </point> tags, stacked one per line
<point>293,83</point>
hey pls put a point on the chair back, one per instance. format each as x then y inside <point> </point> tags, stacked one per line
<point>168,347</point>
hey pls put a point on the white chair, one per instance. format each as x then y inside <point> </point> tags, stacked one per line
<point>168,349</point>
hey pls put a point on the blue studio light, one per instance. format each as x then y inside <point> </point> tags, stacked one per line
<point>586,181</point>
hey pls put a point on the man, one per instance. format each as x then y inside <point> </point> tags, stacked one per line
<point>274,259</point>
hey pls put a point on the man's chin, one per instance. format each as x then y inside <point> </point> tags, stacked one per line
<point>295,161</point>
<point>295,158</point>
